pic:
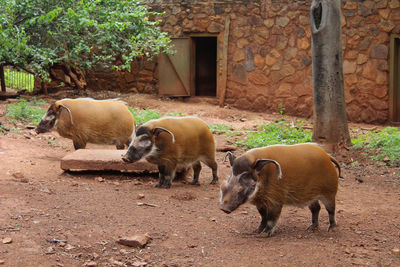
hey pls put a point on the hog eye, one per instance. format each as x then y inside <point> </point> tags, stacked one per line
<point>144,138</point>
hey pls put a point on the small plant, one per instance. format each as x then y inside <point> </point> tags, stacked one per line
<point>281,108</point>
<point>282,132</point>
<point>382,145</point>
<point>142,116</point>
<point>220,128</point>
<point>354,163</point>
<point>25,111</point>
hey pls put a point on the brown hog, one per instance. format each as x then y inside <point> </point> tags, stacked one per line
<point>85,120</point>
<point>173,143</point>
<point>299,175</point>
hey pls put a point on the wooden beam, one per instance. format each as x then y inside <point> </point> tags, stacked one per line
<point>224,65</point>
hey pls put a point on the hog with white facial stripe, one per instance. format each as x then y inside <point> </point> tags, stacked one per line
<point>174,143</point>
<point>274,176</point>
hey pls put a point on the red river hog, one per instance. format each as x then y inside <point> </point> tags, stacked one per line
<point>173,143</point>
<point>278,175</point>
<point>86,120</point>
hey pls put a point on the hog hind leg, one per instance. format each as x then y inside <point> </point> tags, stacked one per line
<point>314,208</point>
<point>330,206</point>
<point>196,173</point>
<point>214,167</point>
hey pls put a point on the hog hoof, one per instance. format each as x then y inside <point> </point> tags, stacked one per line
<point>332,227</point>
<point>163,185</point>
<point>268,232</point>
<point>312,227</point>
<point>258,230</point>
<point>214,181</point>
<point>194,183</point>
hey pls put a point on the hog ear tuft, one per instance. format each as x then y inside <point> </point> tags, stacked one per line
<point>260,163</point>
<point>158,130</point>
<point>231,156</point>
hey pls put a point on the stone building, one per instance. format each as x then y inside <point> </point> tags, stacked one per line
<point>256,55</point>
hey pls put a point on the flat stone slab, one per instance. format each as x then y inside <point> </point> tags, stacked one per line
<point>103,160</point>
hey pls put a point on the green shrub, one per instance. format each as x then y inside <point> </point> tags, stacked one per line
<point>25,111</point>
<point>382,145</point>
<point>282,132</point>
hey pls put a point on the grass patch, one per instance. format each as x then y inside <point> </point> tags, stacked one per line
<point>29,112</point>
<point>142,116</point>
<point>382,145</point>
<point>18,80</point>
<point>175,114</point>
<point>220,128</point>
<point>282,132</point>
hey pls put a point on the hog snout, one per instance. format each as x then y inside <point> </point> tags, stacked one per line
<point>131,155</point>
<point>225,210</point>
<point>126,159</point>
<point>39,130</point>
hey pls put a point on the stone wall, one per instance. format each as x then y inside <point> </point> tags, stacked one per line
<point>269,53</point>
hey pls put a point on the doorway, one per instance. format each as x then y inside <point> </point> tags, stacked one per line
<point>394,92</point>
<point>205,66</point>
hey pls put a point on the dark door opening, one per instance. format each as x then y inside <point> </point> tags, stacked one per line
<point>395,78</point>
<point>206,66</point>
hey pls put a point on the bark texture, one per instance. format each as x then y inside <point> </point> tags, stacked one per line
<point>330,120</point>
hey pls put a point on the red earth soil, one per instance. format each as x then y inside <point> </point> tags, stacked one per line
<point>39,203</point>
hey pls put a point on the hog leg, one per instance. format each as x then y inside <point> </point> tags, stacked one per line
<point>263,212</point>
<point>120,146</point>
<point>181,174</point>
<point>329,203</point>
<point>79,144</point>
<point>214,167</point>
<point>161,175</point>
<point>315,208</point>
<point>166,173</point>
<point>272,216</point>
<point>196,172</point>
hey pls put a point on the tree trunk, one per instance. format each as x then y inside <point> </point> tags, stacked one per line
<point>80,83</point>
<point>44,88</point>
<point>330,120</point>
<point>2,79</point>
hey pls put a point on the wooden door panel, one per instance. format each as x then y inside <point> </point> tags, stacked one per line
<point>175,70</point>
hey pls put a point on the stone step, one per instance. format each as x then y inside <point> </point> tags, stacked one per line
<point>103,160</point>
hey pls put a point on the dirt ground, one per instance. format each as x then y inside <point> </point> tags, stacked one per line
<point>40,203</point>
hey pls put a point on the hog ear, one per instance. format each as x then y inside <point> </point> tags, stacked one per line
<point>158,130</point>
<point>260,163</point>
<point>60,106</point>
<point>231,156</point>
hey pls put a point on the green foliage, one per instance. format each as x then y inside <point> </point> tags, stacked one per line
<point>220,128</point>
<point>282,132</point>
<point>25,111</point>
<point>382,145</point>
<point>36,34</point>
<point>19,80</point>
<point>142,116</point>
